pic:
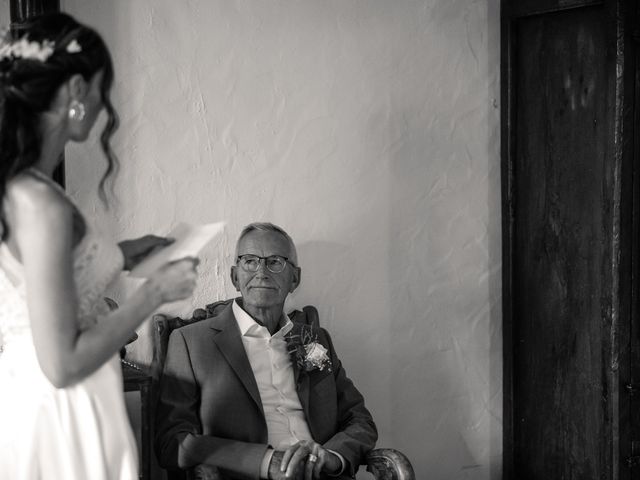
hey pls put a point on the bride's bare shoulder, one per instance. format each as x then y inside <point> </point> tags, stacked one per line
<point>26,194</point>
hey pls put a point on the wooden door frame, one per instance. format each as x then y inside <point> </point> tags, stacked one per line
<point>632,387</point>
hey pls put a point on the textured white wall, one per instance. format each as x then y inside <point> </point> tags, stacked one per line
<point>368,130</point>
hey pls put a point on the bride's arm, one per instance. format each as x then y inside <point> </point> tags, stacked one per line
<point>41,224</point>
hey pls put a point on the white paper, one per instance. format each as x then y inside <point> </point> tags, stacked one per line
<point>189,240</point>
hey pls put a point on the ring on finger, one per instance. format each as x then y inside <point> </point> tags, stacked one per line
<point>312,458</point>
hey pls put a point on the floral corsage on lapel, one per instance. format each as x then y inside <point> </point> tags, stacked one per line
<point>305,350</point>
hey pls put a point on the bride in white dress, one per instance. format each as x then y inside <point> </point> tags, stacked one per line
<point>62,414</point>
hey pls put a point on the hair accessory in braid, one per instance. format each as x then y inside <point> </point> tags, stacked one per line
<point>27,50</point>
<point>73,47</point>
<point>32,50</point>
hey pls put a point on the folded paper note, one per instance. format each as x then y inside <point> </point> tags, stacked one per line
<point>189,240</point>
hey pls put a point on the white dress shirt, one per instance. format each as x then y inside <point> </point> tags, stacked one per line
<point>272,369</point>
<point>271,365</point>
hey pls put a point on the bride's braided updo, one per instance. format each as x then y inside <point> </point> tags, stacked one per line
<point>34,63</point>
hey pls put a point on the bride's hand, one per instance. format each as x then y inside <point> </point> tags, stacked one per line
<point>134,251</point>
<point>175,280</point>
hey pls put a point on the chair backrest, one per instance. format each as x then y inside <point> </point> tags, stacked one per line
<point>164,325</point>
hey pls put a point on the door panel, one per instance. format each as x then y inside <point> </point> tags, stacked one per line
<point>562,261</point>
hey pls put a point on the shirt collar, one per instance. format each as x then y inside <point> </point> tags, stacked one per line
<point>249,327</point>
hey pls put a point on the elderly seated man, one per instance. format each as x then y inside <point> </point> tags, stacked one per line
<point>253,393</point>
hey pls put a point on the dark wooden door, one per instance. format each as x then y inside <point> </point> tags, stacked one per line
<point>633,387</point>
<point>568,186</point>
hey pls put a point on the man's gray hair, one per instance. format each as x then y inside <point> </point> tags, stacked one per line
<point>269,227</point>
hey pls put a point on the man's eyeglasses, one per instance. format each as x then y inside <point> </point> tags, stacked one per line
<point>274,263</point>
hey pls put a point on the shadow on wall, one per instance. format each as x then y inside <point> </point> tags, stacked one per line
<point>444,280</point>
<point>333,283</point>
<point>325,265</point>
<point>393,367</point>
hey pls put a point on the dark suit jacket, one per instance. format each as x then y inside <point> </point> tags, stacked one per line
<point>210,410</point>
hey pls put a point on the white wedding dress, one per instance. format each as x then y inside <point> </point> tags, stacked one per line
<point>80,432</point>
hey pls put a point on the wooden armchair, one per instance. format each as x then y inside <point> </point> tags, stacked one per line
<point>383,463</point>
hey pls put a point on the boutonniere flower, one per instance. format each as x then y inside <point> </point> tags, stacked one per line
<point>306,351</point>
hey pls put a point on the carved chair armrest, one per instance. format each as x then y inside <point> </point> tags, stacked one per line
<point>204,472</point>
<point>389,464</point>
<point>383,463</point>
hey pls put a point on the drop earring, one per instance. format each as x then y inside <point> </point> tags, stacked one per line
<point>76,111</point>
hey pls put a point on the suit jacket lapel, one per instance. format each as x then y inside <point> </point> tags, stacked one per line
<point>302,386</point>
<point>227,338</point>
